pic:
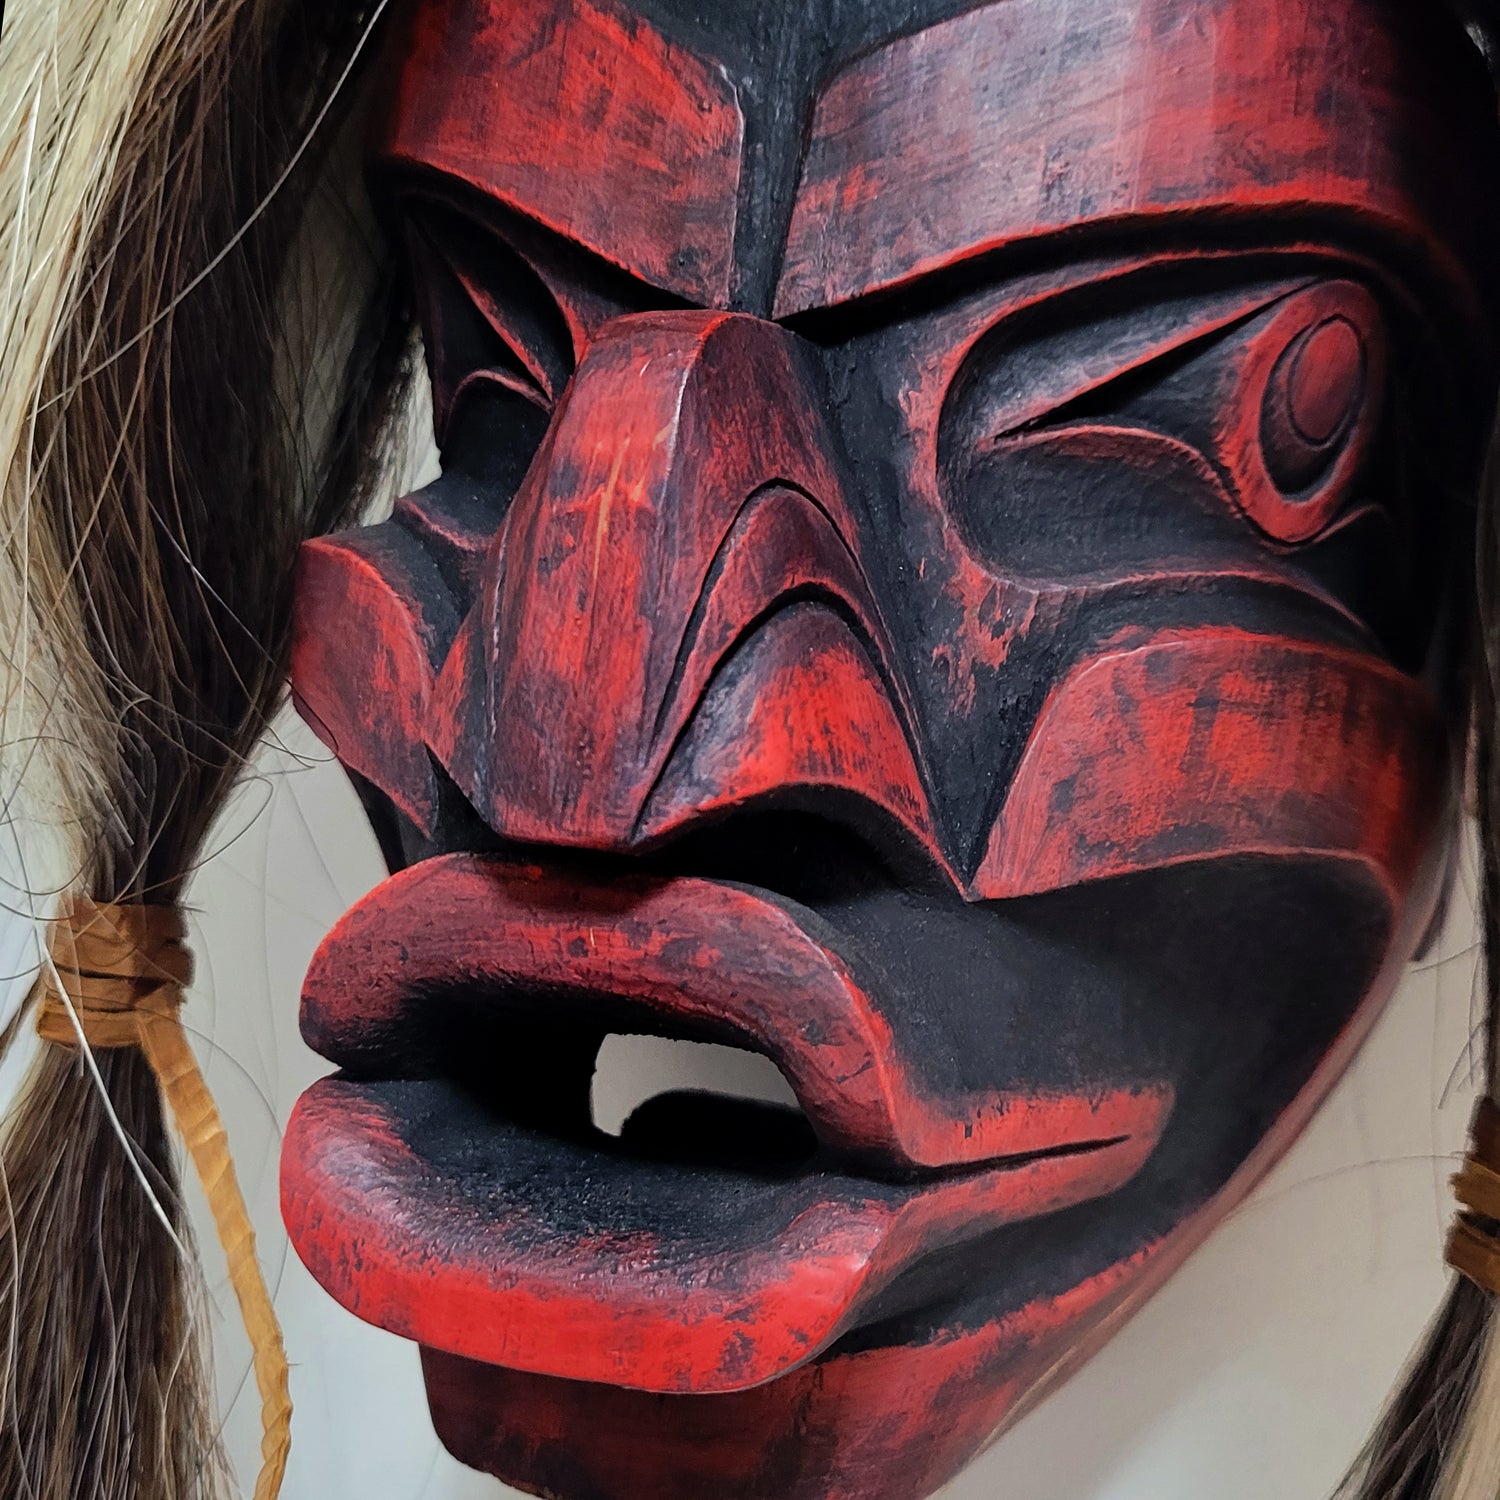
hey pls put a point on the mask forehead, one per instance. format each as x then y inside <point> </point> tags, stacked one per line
<point>664,135</point>
<point>672,150</point>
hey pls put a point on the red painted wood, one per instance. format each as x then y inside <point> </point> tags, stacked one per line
<point>491,1280</point>
<point>1304,408</point>
<point>712,956</point>
<point>1206,743</point>
<point>1011,706</point>
<point>603,130</point>
<point>1025,118</point>
<point>364,683</point>
<point>686,490</point>
<point>809,711</point>
<point>901,1418</point>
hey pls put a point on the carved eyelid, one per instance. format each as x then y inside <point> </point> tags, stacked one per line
<point>1036,378</point>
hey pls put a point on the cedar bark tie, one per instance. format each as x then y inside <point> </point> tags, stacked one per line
<point>1474,1240</point>
<point>116,979</point>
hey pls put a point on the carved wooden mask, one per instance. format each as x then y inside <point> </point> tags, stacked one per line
<point>949,572</point>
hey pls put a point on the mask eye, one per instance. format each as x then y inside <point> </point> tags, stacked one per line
<point>1090,438</point>
<point>490,325</point>
<point>1286,408</point>
<point>1312,400</point>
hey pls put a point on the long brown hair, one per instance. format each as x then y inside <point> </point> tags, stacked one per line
<point>169,439</point>
<point>1439,1438</point>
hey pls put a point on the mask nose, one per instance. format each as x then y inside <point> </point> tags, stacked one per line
<point>675,618</point>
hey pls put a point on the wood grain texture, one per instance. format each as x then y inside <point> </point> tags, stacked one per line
<point>586,119</point>
<point>1025,118</point>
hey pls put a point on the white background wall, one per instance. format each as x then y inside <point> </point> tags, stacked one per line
<point>1253,1376</point>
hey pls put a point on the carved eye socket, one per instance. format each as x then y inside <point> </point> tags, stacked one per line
<point>1087,438</point>
<point>491,327</point>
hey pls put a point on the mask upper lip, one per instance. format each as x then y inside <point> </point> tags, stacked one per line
<point>720,959</point>
<point>763,1271</point>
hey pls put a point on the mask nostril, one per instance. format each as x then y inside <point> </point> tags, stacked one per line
<point>632,1071</point>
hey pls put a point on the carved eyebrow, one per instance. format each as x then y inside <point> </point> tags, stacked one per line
<point>1026,118</point>
<point>590,124</point>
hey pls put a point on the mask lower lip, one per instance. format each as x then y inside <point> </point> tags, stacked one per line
<point>425,1207</point>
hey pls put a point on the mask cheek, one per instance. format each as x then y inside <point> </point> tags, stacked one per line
<point>362,670</point>
<point>1213,742</point>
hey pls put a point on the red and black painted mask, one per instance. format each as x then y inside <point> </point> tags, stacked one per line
<point>949,573</point>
